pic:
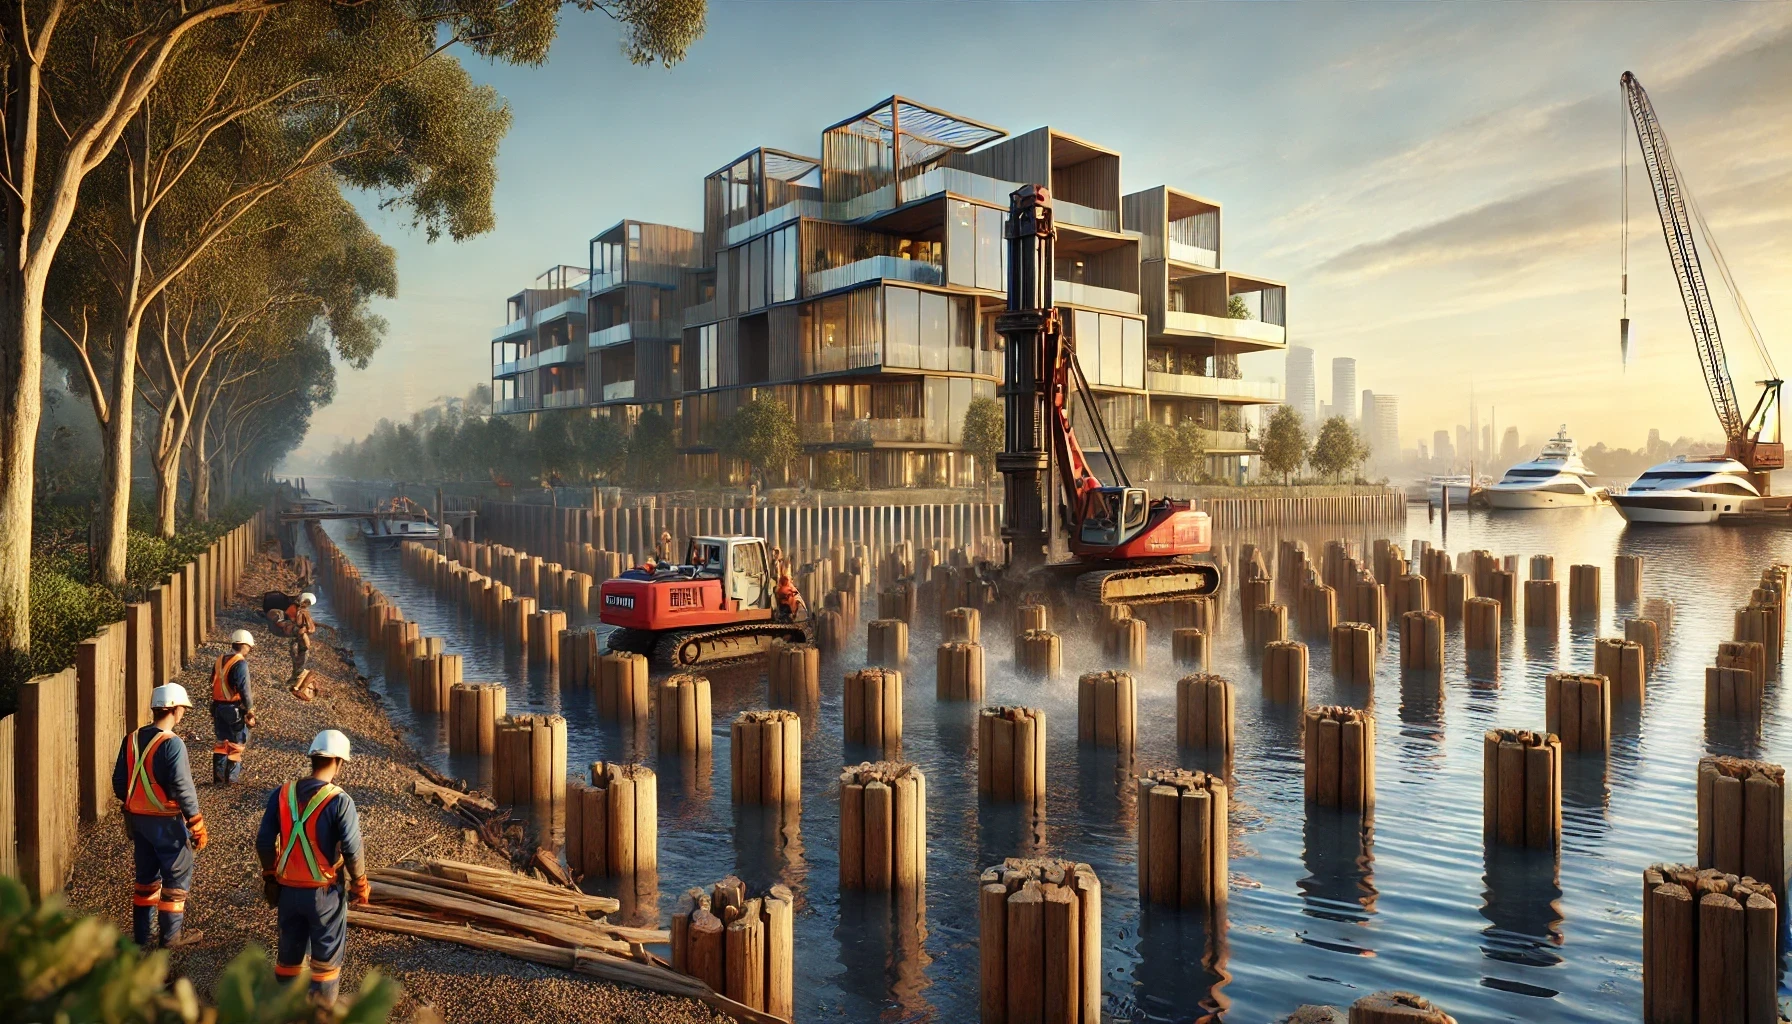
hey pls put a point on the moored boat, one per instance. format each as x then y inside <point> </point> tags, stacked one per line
<point>1556,478</point>
<point>1688,490</point>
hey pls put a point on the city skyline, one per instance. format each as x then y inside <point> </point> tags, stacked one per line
<point>1482,220</point>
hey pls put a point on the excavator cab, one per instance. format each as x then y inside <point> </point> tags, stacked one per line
<point>1114,515</point>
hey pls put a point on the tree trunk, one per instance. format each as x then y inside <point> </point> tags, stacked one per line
<point>21,406</point>
<point>115,459</point>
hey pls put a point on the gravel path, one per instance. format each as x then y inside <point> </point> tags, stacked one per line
<point>464,986</point>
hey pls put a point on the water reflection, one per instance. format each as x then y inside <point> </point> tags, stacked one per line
<point>1339,889</point>
<point>1181,973</point>
<point>883,954</point>
<point>1521,902</point>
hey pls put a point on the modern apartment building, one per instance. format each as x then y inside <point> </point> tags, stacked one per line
<point>1344,388</point>
<point>1303,393</point>
<point>861,288</point>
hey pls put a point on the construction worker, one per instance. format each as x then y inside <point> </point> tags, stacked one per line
<point>662,552</point>
<point>298,618</point>
<point>310,850</point>
<point>301,568</point>
<point>790,599</point>
<point>233,708</point>
<point>161,815</point>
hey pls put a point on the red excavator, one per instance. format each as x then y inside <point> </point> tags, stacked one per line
<point>718,606</point>
<point>1124,547</point>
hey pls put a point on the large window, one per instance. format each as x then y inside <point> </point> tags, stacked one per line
<point>846,332</point>
<point>992,250</point>
<point>928,330</point>
<point>784,260</point>
<point>1110,349</point>
<point>902,327</point>
<point>706,356</point>
<point>961,244</point>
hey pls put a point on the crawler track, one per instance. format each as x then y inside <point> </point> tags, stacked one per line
<point>690,648</point>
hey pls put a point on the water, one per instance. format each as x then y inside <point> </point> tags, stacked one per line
<point>1320,912</point>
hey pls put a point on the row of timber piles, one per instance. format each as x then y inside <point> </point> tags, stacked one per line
<point>530,601</point>
<point>942,583</point>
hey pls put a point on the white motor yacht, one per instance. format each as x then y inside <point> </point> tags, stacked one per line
<point>1688,490</point>
<point>1457,485</point>
<point>385,532</point>
<point>1556,478</point>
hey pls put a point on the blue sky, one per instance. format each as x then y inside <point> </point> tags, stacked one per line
<point>1437,183</point>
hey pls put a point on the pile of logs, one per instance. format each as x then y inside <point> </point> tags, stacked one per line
<point>1039,942</point>
<point>741,947</point>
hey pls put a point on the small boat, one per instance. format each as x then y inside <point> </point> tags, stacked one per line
<point>1688,490</point>
<point>1556,478</point>
<point>1458,485</point>
<point>385,533</point>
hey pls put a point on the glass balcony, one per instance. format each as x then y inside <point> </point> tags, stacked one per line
<point>772,218</point>
<point>557,355</point>
<point>566,399</point>
<point>509,369</point>
<point>1095,297</point>
<point>892,268</point>
<point>1213,387</point>
<point>1086,216</point>
<point>604,281</point>
<point>1184,253</point>
<point>619,390</point>
<point>521,403</point>
<point>700,314</point>
<point>614,335</point>
<point>1248,331</point>
<point>511,329</point>
<point>906,429</point>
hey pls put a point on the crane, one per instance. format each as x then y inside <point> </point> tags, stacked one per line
<point>1125,547</point>
<point>1753,441</point>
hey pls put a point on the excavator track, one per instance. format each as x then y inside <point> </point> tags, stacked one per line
<point>1149,584</point>
<point>689,648</point>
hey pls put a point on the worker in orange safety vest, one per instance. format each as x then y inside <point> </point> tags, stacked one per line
<point>161,815</point>
<point>233,708</point>
<point>309,845</point>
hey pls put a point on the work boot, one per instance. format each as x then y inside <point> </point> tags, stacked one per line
<point>184,938</point>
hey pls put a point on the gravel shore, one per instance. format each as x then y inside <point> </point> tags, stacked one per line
<point>464,986</point>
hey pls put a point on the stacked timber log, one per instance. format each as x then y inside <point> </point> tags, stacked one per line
<point>1189,647</point>
<point>1742,818</point>
<point>1011,755</point>
<point>1621,662</point>
<point>766,755</point>
<point>622,694</point>
<point>1204,712</point>
<point>872,717</point>
<point>1481,624</point>
<point>1397,1008</point>
<point>612,823</point>
<point>963,625</point>
<point>883,827</point>
<point>1578,709</point>
<point>1285,673</point>
<point>1737,685</point>
<point>684,715</point>
<point>886,642</point>
<point>1458,588</point>
<point>958,672</point>
<point>1107,711</point>
<point>1422,640</point>
<point>1318,609</point>
<point>1647,635</point>
<point>529,760</point>
<point>1039,941</point>
<point>1038,653</point>
<point>1183,854</point>
<point>1627,579</point>
<point>1339,750</point>
<point>1542,604</point>
<point>473,713</point>
<point>579,651</point>
<point>1583,591</point>
<point>793,674</point>
<point>1522,789</point>
<point>1710,946</point>
<point>1123,642</point>
<point>1353,653</point>
<point>739,946</point>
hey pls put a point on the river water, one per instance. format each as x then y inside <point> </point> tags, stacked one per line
<point>1321,911</point>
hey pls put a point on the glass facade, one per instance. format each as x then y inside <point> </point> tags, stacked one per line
<point>1110,349</point>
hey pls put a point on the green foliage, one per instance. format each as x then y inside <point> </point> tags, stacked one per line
<point>1147,443</point>
<point>838,471</point>
<point>1185,452</point>
<point>652,449</point>
<point>1237,309</point>
<point>55,966</point>
<point>656,31</point>
<point>1284,442</point>
<point>985,432</point>
<point>762,433</point>
<point>1338,448</point>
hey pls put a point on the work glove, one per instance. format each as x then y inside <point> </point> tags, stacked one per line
<point>249,719</point>
<point>196,825</point>
<point>363,892</point>
<point>270,889</point>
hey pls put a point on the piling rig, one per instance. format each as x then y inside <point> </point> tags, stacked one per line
<point>1124,548</point>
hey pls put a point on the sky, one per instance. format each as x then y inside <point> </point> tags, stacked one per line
<point>1437,183</point>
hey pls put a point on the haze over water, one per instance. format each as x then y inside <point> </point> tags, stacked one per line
<point>1320,912</point>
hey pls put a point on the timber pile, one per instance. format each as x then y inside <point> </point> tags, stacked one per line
<point>1182,839</point>
<point>1710,947</point>
<point>963,625</point>
<point>1039,653</point>
<point>502,912</point>
<point>738,946</point>
<point>886,642</point>
<point>1578,708</point>
<point>612,822</point>
<point>1318,609</point>
<point>959,671</point>
<point>1583,591</point>
<point>1204,712</point>
<point>1039,942</point>
<point>1621,663</point>
<point>1189,647</point>
<point>1542,604</point>
<point>766,754</point>
<point>1422,640</point>
<point>1742,817</point>
<point>793,673</point>
<point>1285,673</point>
<point>883,827</point>
<point>685,714</point>
<point>1481,625</point>
<point>1269,624</point>
<point>1397,1008</point>
<point>1030,616</point>
<point>622,694</point>
<point>1011,754</point>
<point>1353,653</point>
<point>1737,684</point>
<point>1646,633</point>
<point>1196,613</point>
<point>1340,758</point>
<point>1522,789</point>
<point>872,715</point>
<point>1123,642</point>
<point>1628,572</point>
<point>1107,710</point>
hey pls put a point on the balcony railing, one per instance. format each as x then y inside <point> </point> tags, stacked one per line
<point>700,314</point>
<point>568,398</point>
<point>521,403</point>
<point>772,218</point>
<point>873,268</point>
<point>1184,253</point>
<point>619,390</point>
<point>1213,387</point>
<point>558,354</point>
<point>509,369</point>
<point>572,304</point>
<point>1254,331</point>
<point>514,327</point>
<point>1223,441</point>
<point>613,335</point>
<point>1095,296</point>
<point>907,429</point>
<point>1087,216</point>
<point>602,282</point>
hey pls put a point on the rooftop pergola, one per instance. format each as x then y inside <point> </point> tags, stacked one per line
<point>925,133</point>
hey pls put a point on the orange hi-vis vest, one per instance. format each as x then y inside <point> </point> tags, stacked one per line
<point>221,692</point>
<point>143,794</point>
<point>298,834</point>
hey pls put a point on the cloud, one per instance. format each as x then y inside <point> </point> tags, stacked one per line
<point>1512,229</point>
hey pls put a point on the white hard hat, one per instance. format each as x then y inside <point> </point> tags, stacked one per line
<point>306,600</point>
<point>330,743</point>
<point>170,695</point>
<point>243,636</point>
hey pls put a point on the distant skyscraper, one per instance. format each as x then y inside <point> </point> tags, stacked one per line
<point>1464,443</point>
<point>1344,388</point>
<point>1366,428</point>
<point>1510,452</point>
<point>1303,391</point>
<point>1441,449</point>
<point>1325,411</point>
<point>1387,423</point>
